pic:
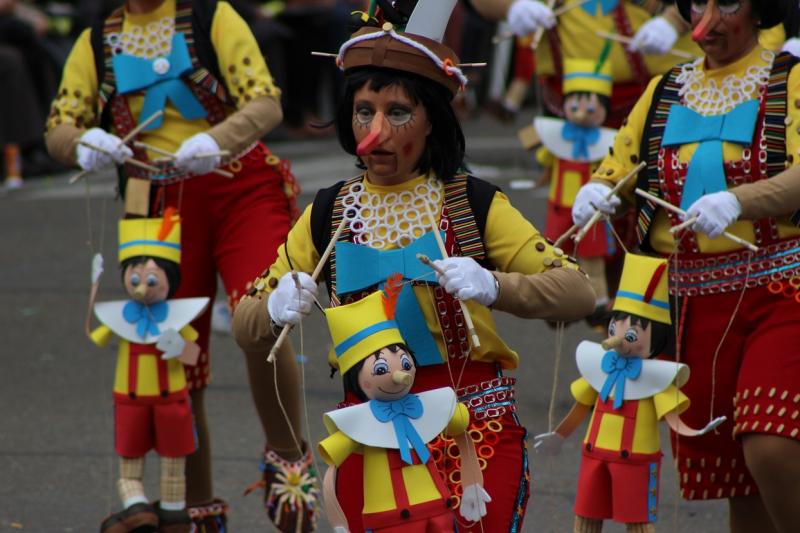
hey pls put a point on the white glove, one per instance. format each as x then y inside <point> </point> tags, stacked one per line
<point>548,443</point>
<point>714,213</point>
<point>656,36</point>
<point>97,268</point>
<point>90,159</point>
<point>792,46</point>
<point>473,502</point>
<point>527,16</point>
<point>201,143</point>
<point>171,343</point>
<point>287,305</point>
<point>465,279</point>
<point>713,425</point>
<point>590,198</point>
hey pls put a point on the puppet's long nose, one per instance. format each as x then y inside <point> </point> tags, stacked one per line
<point>611,343</point>
<point>140,291</point>
<point>709,19</point>
<point>402,378</point>
<point>376,135</point>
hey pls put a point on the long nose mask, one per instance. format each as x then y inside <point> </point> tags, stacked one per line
<point>707,21</point>
<point>373,139</point>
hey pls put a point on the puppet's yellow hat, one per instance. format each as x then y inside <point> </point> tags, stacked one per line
<point>151,237</point>
<point>362,328</point>
<point>643,288</point>
<point>583,75</point>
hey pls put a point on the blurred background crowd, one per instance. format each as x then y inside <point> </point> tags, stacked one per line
<point>36,37</point>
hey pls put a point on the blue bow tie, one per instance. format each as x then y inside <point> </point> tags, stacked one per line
<point>146,317</point>
<point>399,412</point>
<point>607,5</point>
<point>359,267</point>
<point>619,369</point>
<point>581,137</point>
<point>160,78</point>
<point>706,173</point>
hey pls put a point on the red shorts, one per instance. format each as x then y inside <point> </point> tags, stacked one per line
<point>164,424</point>
<point>559,220</point>
<point>623,490</point>
<point>757,370</point>
<point>441,523</point>
<point>231,227</point>
<point>501,444</point>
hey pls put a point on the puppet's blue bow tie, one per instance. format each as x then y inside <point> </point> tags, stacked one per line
<point>399,412</point>
<point>146,317</point>
<point>581,137</point>
<point>619,369</point>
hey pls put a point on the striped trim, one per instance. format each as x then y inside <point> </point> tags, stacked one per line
<point>465,229</point>
<point>640,298</point>
<point>359,336</point>
<point>145,242</point>
<point>590,75</point>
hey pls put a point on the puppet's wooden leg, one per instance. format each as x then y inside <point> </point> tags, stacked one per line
<point>641,527</point>
<point>173,482</point>
<point>131,473</point>
<point>587,525</point>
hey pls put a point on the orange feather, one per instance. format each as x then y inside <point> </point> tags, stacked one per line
<point>391,291</point>
<point>169,220</point>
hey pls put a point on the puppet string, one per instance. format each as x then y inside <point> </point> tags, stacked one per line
<point>724,336</point>
<point>280,402</point>
<point>559,344</point>
<point>616,235</point>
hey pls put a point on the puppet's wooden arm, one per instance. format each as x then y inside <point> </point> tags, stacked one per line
<point>678,426</point>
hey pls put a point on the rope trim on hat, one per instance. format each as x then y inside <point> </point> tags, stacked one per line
<point>447,67</point>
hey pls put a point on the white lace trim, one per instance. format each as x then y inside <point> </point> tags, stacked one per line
<point>149,42</point>
<point>707,98</point>
<point>380,220</point>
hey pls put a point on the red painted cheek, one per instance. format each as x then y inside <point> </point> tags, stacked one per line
<point>737,30</point>
<point>408,148</point>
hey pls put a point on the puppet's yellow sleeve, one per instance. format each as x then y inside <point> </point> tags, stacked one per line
<point>189,333</point>
<point>670,399</point>
<point>583,392</point>
<point>459,422</point>
<point>101,336</point>
<point>336,448</point>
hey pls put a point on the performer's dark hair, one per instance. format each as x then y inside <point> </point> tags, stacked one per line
<point>662,339</point>
<point>444,147</point>
<point>604,100</point>
<point>350,378</point>
<point>767,13</point>
<point>170,268</point>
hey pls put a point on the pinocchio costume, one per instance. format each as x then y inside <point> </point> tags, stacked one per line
<point>402,485</point>
<point>621,461</point>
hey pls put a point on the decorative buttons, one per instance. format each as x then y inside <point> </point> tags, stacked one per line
<point>161,65</point>
<point>387,26</point>
<point>405,514</point>
<point>540,247</point>
<point>273,282</point>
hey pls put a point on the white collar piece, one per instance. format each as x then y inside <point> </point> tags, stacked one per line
<point>180,312</point>
<point>549,130</point>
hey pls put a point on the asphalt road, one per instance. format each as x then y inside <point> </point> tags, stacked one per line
<point>57,465</point>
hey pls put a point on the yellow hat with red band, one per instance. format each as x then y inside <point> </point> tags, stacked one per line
<point>151,237</point>
<point>584,75</point>
<point>362,328</point>
<point>643,289</point>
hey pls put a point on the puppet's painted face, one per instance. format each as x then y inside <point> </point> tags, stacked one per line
<point>584,110</point>
<point>387,375</point>
<point>724,29</point>
<point>146,282</point>
<point>391,132</point>
<point>636,341</point>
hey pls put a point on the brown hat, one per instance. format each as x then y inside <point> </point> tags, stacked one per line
<point>408,51</point>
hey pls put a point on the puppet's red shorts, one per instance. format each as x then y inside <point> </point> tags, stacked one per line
<point>623,490</point>
<point>500,442</point>
<point>231,228</point>
<point>163,424</point>
<point>420,518</point>
<point>559,220</point>
<point>755,382</point>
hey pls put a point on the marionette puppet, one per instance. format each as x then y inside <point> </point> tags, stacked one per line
<point>571,148</point>
<point>402,486</point>
<point>151,401</point>
<point>630,394</point>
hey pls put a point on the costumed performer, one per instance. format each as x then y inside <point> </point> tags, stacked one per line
<point>396,116</point>
<point>403,488</point>
<point>198,63</point>
<point>629,393</point>
<point>726,119</point>
<point>151,401</point>
<point>571,149</point>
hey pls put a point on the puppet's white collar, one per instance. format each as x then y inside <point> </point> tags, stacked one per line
<point>180,312</point>
<point>549,130</point>
<point>656,375</point>
<point>358,422</point>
